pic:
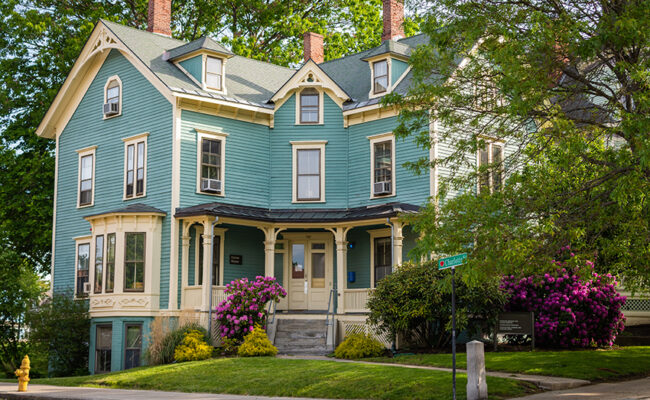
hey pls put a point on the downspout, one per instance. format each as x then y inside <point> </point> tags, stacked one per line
<point>214,223</point>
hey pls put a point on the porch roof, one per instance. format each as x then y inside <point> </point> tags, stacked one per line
<point>137,208</point>
<point>297,215</point>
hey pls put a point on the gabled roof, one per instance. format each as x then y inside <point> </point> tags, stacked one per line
<point>389,47</point>
<point>320,78</point>
<point>202,43</point>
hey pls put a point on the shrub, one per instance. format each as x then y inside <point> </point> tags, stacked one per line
<point>359,345</point>
<point>415,302</point>
<point>257,344</point>
<point>245,305</point>
<point>193,347</point>
<point>569,311</point>
<point>165,336</point>
<point>60,328</point>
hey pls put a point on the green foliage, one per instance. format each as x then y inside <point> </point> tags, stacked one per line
<point>165,337</point>
<point>60,327</point>
<point>193,347</point>
<point>257,344</point>
<point>415,302</point>
<point>359,345</point>
<point>229,346</point>
<point>579,155</point>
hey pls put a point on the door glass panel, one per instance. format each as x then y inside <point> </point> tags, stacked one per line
<point>318,246</point>
<point>298,261</point>
<point>318,270</point>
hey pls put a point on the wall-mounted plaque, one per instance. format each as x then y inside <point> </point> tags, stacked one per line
<point>235,259</point>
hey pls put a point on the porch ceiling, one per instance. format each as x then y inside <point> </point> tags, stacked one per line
<point>387,210</point>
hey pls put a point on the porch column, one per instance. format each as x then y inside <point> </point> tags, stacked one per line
<point>340,234</point>
<point>185,259</point>
<point>397,243</point>
<point>207,285</point>
<point>270,237</point>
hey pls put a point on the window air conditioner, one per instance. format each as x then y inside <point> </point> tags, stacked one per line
<point>86,287</point>
<point>211,185</point>
<point>111,109</point>
<point>382,188</point>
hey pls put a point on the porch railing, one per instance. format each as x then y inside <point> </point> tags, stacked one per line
<point>193,297</point>
<point>356,300</point>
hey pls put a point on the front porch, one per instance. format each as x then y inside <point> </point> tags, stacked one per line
<point>327,260</point>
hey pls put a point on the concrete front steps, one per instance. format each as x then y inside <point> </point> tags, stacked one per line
<point>301,337</point>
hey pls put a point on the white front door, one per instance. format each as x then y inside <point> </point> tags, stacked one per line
<point>310,273</point>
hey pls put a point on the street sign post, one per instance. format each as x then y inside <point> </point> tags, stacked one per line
<point>444,263</point>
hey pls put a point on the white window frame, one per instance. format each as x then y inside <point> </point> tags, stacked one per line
<point>321,106</point>
<point>203,134</point>
<point>489,143</point>
<point>87,151</point>
<point>307,145</point>
<point>89,240</point>
<point>383,137</point>
<point>134,140</point>
<point>374,234</point>
<point>119,107</point>
<point>221,233</point>
<point>204,72</point>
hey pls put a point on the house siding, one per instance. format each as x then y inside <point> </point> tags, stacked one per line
<point>397,69</point>
<point>194,66</point>
<point>118,325</point>
<point>87,128</point>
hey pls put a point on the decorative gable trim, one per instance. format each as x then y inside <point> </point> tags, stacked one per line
<point>310,75</point>
<point>101,41</point>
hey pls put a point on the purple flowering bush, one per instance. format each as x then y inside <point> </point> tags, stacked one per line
<point>245,305</point>
<point>569,311</point>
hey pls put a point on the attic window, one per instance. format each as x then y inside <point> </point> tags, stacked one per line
<point>309,106</point>
<point>113,97</point>
<point>380,76</point>
<point>213,73</point>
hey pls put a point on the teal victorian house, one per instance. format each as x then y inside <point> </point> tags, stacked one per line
<point>182,166</point>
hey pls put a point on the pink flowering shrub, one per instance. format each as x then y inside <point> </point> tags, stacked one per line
<point>569,311</point>
<point>245,305</point>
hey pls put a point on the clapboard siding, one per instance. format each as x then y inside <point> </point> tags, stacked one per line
<point>248,243</point>
<point>194,66</point>
<point>144,109</point>
<point>398,68</point>
<point>117,340</point>
<point>410,188</point>
<point>246,160</point>
<point>336,162</point>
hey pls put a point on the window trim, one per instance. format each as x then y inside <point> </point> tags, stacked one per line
<point>204,72</point>
<point>87,151</point>
<point>321,106</point>
<point>134,140</point>
<point>489,142</point>
<point>144,266</point>
<point>376,234</point>
<point>382,137</point>
<point>307,145</point>
<point>119,107</point>
<point>374,78</point>
<point>203,134</point>
<point>80,241</point>
<point>126,327</point>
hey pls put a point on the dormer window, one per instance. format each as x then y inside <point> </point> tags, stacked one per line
<point>380,76</point>
<point>309,106</point>
<point>113,97</point>
<point>213,73</point>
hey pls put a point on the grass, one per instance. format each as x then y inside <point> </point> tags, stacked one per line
<point>280,377</point>
<point>593,365</point>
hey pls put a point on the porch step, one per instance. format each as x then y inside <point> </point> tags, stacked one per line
<point>301,336</point>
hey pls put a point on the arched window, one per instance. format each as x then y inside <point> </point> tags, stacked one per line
<point>113,97</point>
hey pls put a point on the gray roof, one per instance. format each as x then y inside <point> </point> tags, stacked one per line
<point>202,43</point>
<point>248,81</point>
<point>137,208</point>
<point>390,47</point>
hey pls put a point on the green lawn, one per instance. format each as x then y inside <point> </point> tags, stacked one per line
<point>281,377</point>
<point>593,365</point>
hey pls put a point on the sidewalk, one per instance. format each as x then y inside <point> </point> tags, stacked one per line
<point>629,390</point>
<point>543,382</point>
<point>47,392</point>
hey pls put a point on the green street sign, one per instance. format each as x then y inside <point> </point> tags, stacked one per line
<point>453,261</point>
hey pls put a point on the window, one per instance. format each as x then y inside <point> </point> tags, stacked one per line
<point>103,344</point>
<point>211,167</point>
<point>110,262</point>
<point>382,168</point>
<point>308,174</point>
<point>99,263</point>
<point>215,260</point>
<point>83,261</point>
<point>133,345</point>
<point>134,262</point>
<point>113,97</point>
<point>113,92</point>
<point>383,262</point>
<point>309,106</point>
<point>86,174</point>
<point>490,158</point>
<point>213,73</point>
<point>135,166</point>
<point>380,76</point>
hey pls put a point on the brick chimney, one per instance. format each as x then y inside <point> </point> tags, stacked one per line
<point>313,47</point>
<point>393,19</point>
<point>160,17</point>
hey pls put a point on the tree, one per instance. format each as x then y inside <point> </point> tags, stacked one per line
<point>566,84</point>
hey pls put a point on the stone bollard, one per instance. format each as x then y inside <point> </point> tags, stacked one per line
<point>476,384</point>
